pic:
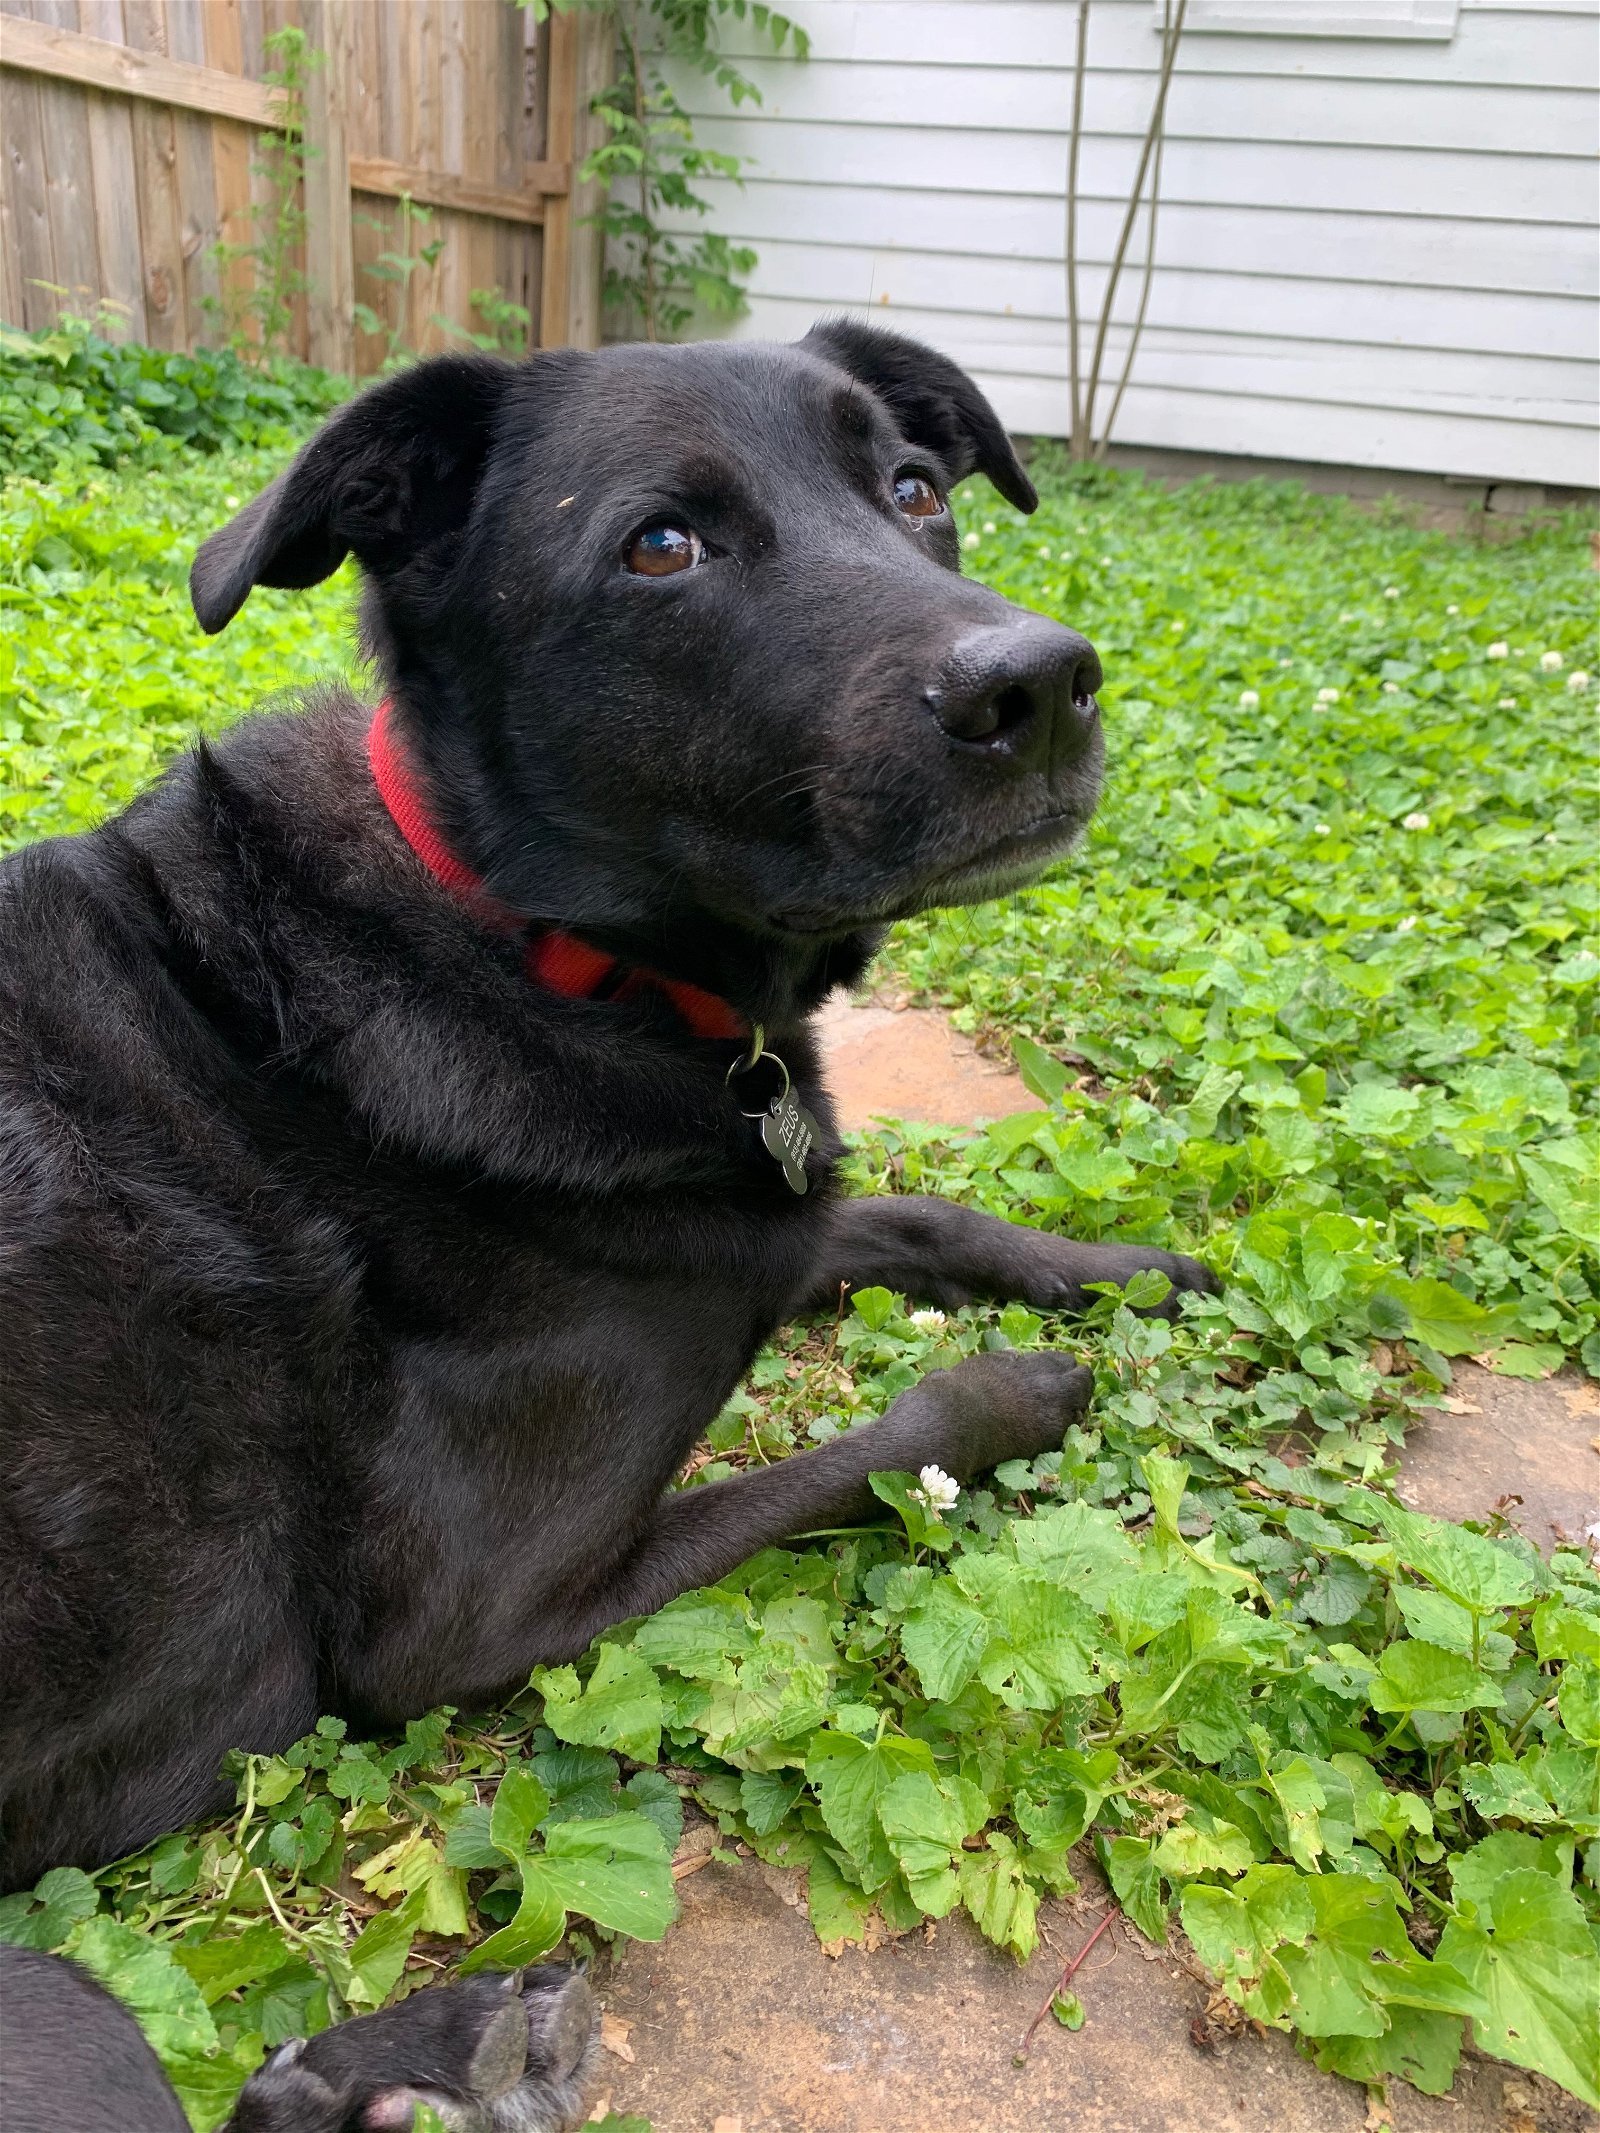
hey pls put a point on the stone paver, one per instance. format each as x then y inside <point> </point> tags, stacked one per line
<point>907,1062</point>
<point>1504,1437</point>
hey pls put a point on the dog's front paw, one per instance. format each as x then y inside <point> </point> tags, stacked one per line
<point>987,1409</point>
<point>496,2054</point>
<point>1056,1273</point>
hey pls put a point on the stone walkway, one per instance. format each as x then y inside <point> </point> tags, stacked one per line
<point>738,2023</point>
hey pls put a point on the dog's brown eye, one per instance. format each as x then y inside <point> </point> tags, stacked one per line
<point>661,550</point>
<point>917,498</point>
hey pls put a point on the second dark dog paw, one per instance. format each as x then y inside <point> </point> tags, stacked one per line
<point>495,2054</point>
<point>1057,1273</point>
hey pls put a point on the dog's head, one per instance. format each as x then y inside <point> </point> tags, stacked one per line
<point>679,636</point>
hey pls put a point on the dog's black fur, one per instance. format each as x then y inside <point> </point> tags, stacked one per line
<point>360,1298</point>
<point>508,2053</point>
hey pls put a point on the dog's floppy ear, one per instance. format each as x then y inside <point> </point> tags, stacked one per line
<point>386,475</point>
<point>934,401</point>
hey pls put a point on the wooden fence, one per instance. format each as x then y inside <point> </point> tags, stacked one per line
<point>130,139</point>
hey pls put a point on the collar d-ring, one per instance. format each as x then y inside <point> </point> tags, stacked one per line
<point>758,1051</point>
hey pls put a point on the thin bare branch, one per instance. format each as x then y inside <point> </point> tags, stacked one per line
<point>1158,112</point>
<point>1078,442</point>
<point>1170,28</point>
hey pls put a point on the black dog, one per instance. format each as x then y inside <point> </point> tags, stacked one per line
<point>389,1198</point>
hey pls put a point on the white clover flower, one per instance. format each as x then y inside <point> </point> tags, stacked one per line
<point>1327,696</point>
<point>928,1321</point>
<point>1577,679</point>
<point>1552,662</point>
<point>1391,592</point>
<point>1045,553</point>
<point>937,1489</point>
<point>1391,688</point>
<point>1505,703</point>
<point>1286,662</point>
<point>969,540</point>
<point>1249,700</point>
<point>1320,829</point>
<point>1105,562</point>
<point>1415,821</point>
<point>1347,618</point>
<point>230,503</point>
<point>1406,925</point>
<point>1498,650</point>
<point>1452,609</point>
<point>988,525</point>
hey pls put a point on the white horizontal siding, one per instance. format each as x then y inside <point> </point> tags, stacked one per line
<point>1377,252</point>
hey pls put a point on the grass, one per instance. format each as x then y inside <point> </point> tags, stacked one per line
<point>1316,999</point>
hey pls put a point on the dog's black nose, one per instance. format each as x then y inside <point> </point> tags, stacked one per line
<point>1023,690</point>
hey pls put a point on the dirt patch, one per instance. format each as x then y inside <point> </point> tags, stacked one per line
<point>738,2016</point>
<point>1506,1437</point>
<point>907,1062</point>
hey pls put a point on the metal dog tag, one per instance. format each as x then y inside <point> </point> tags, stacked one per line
<point>787,1132</point>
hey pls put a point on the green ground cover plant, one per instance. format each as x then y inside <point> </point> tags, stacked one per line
<point>1317,1001</point>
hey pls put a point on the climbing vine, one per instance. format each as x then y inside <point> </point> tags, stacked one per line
<point>659,274</point>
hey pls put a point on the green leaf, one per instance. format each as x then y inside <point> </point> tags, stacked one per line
<point>874,1307</point>
<point>222,1963</point>
<point>1538,1968</point>
<point>1331,1976</point>
<point>146,1976</point>
<point>1043,1641</point>
<point>537,1924</point>
<point>997,1895</point>
<point>851,1777</point>
<point>838,1909</point>
<point>1187,1850</point>
<point>1573,1198</point>
<point>698,1635</point>
<point>1135,1879</point>
<point>925,1822</point>
<point>415,1865</point>
<point>619,1706</point>
<point>62,1897</point>
<point>369,1969</point>
<point>1580,1701</point>
<point>1481,1574</point>
<point>944,1639</point>
<point>1045,1076</point>
<point>1084,1550</point>
<point>1413,1676</point>
<point>616,1870</point>
<point>1447,1320</point>
<point>520,1805</point>
<point>1420,2047</point>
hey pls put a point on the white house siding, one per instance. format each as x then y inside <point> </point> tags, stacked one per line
<point>1377,251</point>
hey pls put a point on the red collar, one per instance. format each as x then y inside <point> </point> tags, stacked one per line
<point>561,962</point>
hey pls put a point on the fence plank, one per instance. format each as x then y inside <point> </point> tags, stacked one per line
<point>437,188</point>
<point>231,148</point>
<point>114,182</point>
<point>197,181</point>
<point>27,188</point>
<point>330,265</point>
<point>69,181</point>
<point>155,158</point>
<point>39,48</point>
<point>561,94</point>
<point>586,243</point>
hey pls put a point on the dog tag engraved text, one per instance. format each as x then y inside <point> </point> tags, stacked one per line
<point>787,1132</point>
